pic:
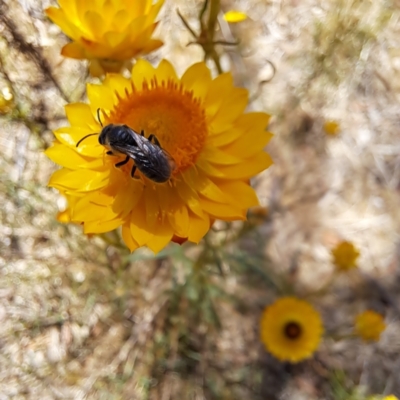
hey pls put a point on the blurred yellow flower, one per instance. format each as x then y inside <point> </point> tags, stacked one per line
<point>345,256</point>
<point>390,397</point>
<point>108,33</point>
<point>291,329</point>
<point>199,121</point>
<point>331,128</point>
<point>369,325</point>
<point>234,16</point>
<point>6,101</point>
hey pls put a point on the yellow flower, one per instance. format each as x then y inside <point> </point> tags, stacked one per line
<point>390,397</point>
<point>331,128</point>
<point>345,256</point>
<point>198,120</point>
<point>291,329</point>
<point>369,325</point>
<point>108,33</point>
<point>234,16</point>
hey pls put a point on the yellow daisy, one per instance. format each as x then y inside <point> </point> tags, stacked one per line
<point>199,121</point>
<point>291,329</point>
<point>108,33</point>
<point>369,325</point>
<point>345,256</point>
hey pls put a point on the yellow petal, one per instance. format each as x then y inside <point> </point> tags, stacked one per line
<point>190,197</point>
<point>128,198</point>
<point>241,194</point>
<point>230,109</point>
<point>234,16</point>
<point>197,78</point>
<point>100,96</point>
<point>152,207</point>
<point>140,230</point>
<point>221,210</point>
<point>96,69</point>
<point>162,236</point>
<point>222,84</point>
<point>117,84</point>
<point>179,221</point>
<point>95,23</point>
<point>128,239</point>
<point>82,180</point>
<point>248,168</point>
<point>84,210</point>
<point>209,169</point>
<point>220,157</point>
<point>165,71</point>
<point>58,17</point>
<point>69,8</point>
<point>248,145</point>
<point>81,115</point>
<point>142,71</point>
<point>73,50</point>
<point>208,189</point>
<point>155,9</point>
<point>64,216</point>
<point>100,226</point>
<point>69,158</point>
<point>198,227</point>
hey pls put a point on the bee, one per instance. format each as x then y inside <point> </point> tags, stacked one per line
<point>148,155</point>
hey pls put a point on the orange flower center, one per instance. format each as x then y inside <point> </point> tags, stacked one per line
<point>169,112</point>
<point>292,330</point>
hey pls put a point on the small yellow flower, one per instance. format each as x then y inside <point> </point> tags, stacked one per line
<point>345,256</point>
<point>291,329</point>
<point>234,16</point>
<point>390,397</point>
<point>108,33</point>
<point>369,325</point>
<point>331,128</point>
<point>199,121</point>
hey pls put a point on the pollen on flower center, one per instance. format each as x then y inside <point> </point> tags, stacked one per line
<point>169,112</point>
<point>292,330</point>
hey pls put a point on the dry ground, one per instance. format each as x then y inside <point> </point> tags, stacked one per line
<point>81,319</point>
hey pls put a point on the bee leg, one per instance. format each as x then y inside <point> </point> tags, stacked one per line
<point>154,139</point>
<point>142,132</point>
<point>110,153</point>
<point>121,163</point>
<point>133,171</point>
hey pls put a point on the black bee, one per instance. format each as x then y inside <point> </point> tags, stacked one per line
<point>148,155</point>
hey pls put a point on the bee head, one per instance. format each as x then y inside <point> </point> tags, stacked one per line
<point>106,133</point>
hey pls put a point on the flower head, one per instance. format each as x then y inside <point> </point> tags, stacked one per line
<point>108,33</point>
<point>369,325</point>
<point>199,122</point>
<point>291,329</point>
<point>345,256</point>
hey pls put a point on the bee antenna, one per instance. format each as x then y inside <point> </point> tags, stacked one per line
<point>91,134</point>
<point>98,117</point>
